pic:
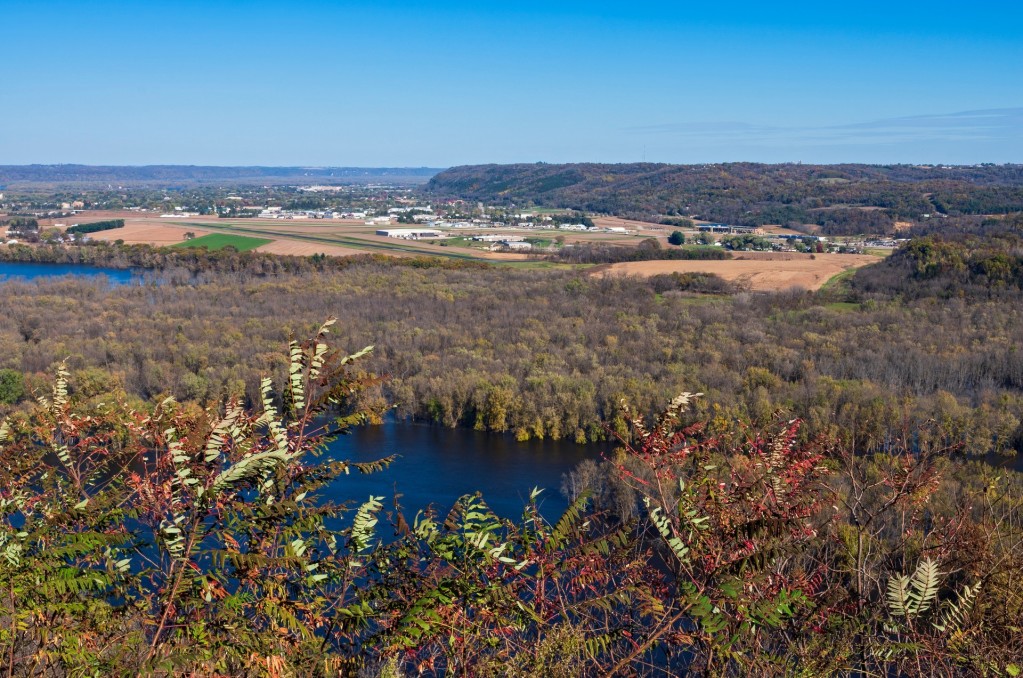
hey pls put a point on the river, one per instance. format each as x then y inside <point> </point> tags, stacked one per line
<point>17,270</point>
<point>438,465</point>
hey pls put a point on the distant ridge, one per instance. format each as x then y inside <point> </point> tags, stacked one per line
<point>165,175</point>
<point>843,198</point>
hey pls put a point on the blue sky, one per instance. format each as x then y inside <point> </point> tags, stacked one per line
<point>393,83</point>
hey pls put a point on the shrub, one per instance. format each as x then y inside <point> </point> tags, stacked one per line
<point>198,541</point>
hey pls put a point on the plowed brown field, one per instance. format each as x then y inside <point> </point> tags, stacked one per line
<point>149,232</point>
<point>761,272</point>
<point>305,249</point>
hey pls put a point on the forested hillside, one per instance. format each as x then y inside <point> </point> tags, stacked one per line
<point>840,199</point>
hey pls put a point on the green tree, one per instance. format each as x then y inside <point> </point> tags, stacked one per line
<point>12,386</point>
<point>677,238</point>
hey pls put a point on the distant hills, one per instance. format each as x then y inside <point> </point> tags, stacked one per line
<point>166,175</point>
<point>837,198</point>
<point>834,199</point>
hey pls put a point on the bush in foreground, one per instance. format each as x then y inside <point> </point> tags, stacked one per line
<point>178,540</point>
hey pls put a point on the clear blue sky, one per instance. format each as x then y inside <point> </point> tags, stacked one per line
<point>390,83</point>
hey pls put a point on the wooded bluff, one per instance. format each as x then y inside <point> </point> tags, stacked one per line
<point>840,199</point>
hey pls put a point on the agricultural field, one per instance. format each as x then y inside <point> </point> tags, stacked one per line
<point>345,237</point>
<point>218,241</point>
<point>148,232</point>
<point>642,227</point>
<point>306,249</point>
<point>759,271</point>
<point>335,237</point>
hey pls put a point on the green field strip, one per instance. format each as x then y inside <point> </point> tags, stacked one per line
<point>382,248</point>
<point>218,241</point>
<point>338,240</point>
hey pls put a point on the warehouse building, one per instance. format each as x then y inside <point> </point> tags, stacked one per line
<point>410,233</point>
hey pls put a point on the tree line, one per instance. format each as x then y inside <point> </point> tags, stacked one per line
<point>649,249</point>
<point>96,226</point>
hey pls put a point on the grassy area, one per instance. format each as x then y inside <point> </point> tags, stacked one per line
<point>537,264</point>
<point>454,247</point>
<point>218,241</point>
<point>705,299</point>
<point>842,306</point>
<point>698,248</point>
<point>460,241</point>
<point>541,242</point>
<point>840,282</point>
<point>420,248</point>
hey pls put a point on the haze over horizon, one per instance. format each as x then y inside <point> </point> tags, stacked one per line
<point>402,84</point>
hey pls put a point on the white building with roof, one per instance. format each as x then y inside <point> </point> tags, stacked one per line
<point>410,233</point>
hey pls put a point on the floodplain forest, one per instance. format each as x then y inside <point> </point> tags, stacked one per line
<point>931,334</point>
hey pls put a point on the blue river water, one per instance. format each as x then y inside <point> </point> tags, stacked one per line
<point>32,271</point>
<point>437,465</point>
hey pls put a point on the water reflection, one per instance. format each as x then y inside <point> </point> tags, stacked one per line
<point>18,270</point>
<point>438,465</point>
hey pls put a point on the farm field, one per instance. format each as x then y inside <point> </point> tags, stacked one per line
<point>354,238</point>
<point>760,271</point>
<point>330,237</point>
<point>305,249</point>
<point>218,241</point>
<point>152,233</point>
<point>779,230</point>
<point>337,237</point>
<point>88,216</point>
<point>639,227</point>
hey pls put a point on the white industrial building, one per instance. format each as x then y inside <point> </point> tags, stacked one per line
<point>410,233</point>
<point>498,238</point>
<point>515,245</point>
